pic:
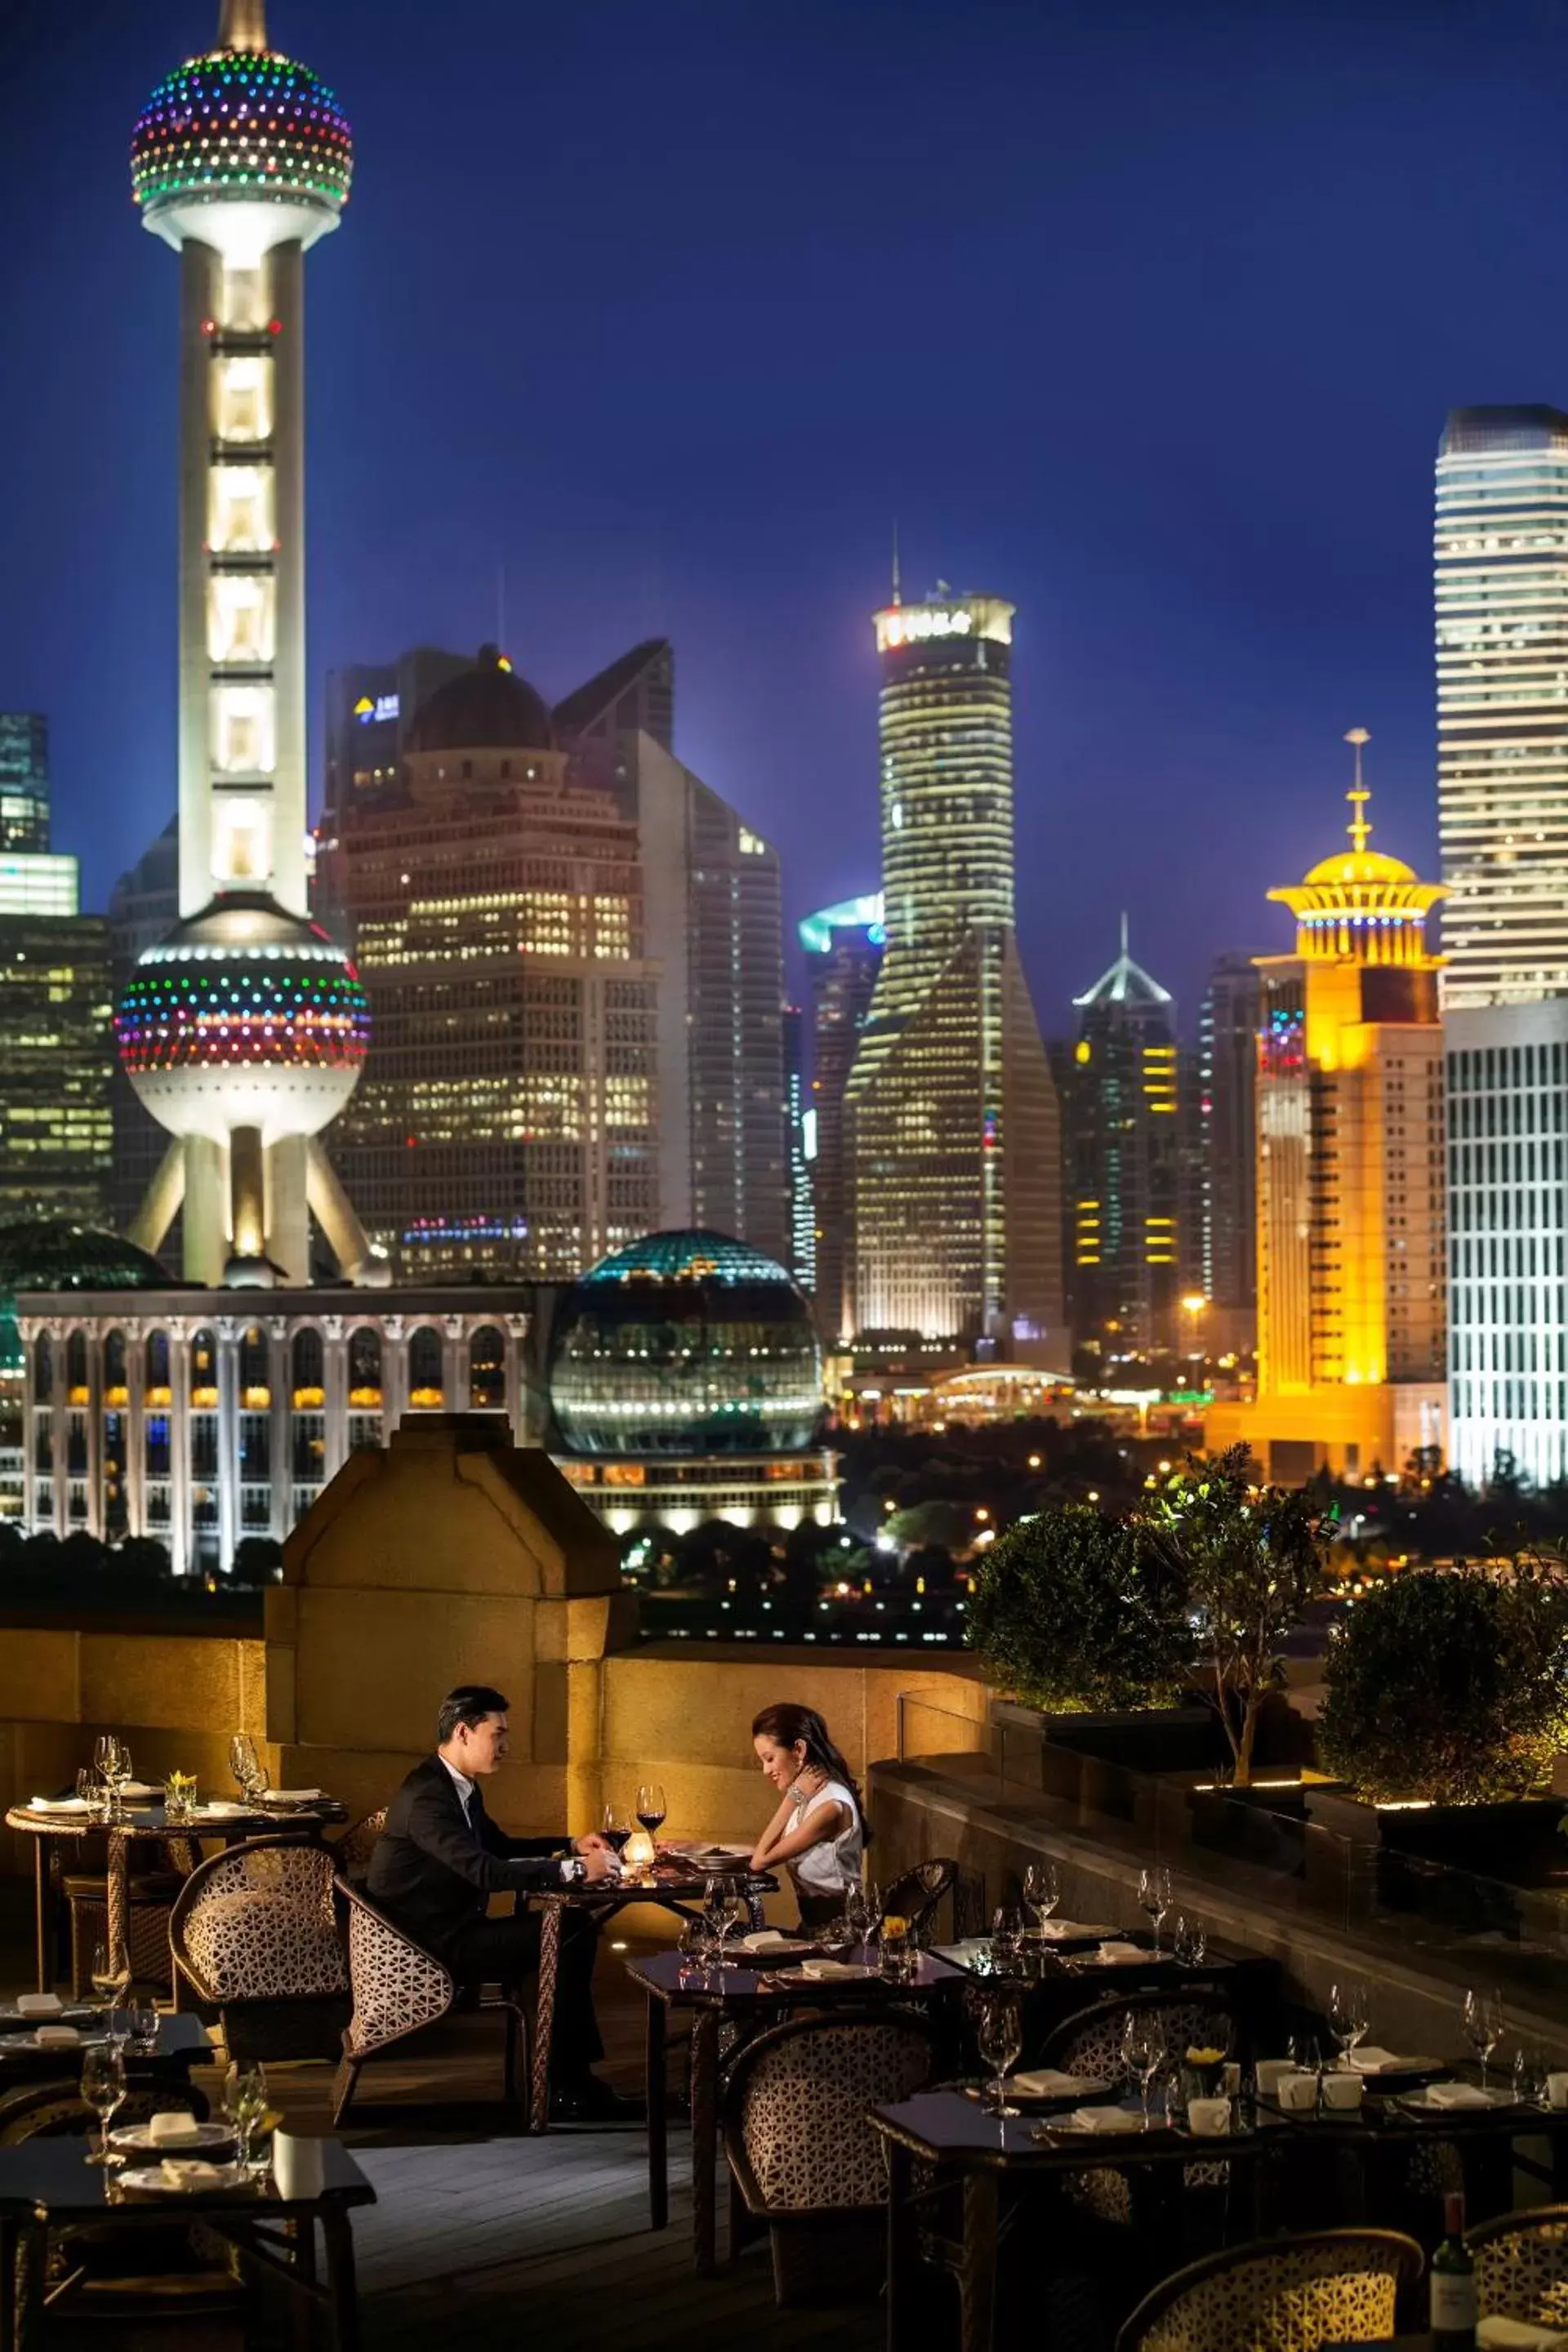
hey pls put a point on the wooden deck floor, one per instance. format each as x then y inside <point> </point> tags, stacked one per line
<point>481,2233</point>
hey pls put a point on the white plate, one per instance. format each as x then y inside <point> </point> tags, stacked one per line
<point>1422,2103</point>
<point>58,1805</point>
<point>136,2140</point>
<point>150,2177</point>
<point>30,2041</point>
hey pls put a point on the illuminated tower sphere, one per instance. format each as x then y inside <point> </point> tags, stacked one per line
<point>241,160</point>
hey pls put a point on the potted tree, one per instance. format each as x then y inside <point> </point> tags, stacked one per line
<point>1248,1558</point>
<point>1072,1615</point>
<point>1446,1696</point>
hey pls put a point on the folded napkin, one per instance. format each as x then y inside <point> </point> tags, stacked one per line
<point>1518,2336</point>
<point>1115,1955</point>
<point>1056,1931</point>
<point>58,1805</point>
<point>56,2037</point>
<point>169,2129</point>
<point>1369,2060</point>
<point>1102,2119</point>
<point>290,1796</point>
<point>1457,2094</point>
<point>192,2172</point>
<point>39,2004</point>
<point>218,1810</point>
<point>148,1788</point>
<point>768,1939</point>
<point>826,1972</point>
<point>1047,2083</point>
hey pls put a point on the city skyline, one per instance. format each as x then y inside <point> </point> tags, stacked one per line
<point>1260,632</point>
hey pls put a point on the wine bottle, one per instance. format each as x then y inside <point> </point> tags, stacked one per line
<point>1453,2287</point>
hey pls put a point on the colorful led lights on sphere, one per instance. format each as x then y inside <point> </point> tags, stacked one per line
<point>237,1007</point>
<point>257,126</point>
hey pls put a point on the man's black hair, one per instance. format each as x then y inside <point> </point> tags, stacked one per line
<point>469,1703</point>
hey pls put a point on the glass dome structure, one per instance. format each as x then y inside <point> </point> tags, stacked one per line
<point>233,123</point>
<point>52,1254</point>
<point>686,1343</point>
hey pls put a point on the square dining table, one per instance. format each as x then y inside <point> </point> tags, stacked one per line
<point>182,2043</point>
<point>754,1997</point>
<point>47,2185</point>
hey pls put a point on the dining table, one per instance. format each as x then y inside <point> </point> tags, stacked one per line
<point>676,1883</point>
<point>950,2135</point>
<point>182,2043</point>
<point>58,1823</point>
<point>751,1996</point>
<point>46,2186</point>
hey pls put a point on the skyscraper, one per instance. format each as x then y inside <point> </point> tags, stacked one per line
<point>713,930</point>
<point>506,1122</point>
<point>370,707</point>
<point>143,908</point>
<point>802,1127</point>
<point>1501,553</point>
<point>1228,1095</point>
<point>1123,1159</point>
<point>1349,1174</point>
<point>244,1031</point>
<point>842,954</point>
<point>953,1178</point>
<point>24,782</point>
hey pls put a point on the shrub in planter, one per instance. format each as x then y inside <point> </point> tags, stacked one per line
<point>1449,1685</point>
<point>1073,1613</point>
<point>1248,1558</point>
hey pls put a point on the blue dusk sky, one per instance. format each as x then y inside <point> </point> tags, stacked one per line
<point>1146,318</point>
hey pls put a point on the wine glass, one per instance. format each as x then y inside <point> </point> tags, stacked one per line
<point>999,2035</point>
<point>124,1769</point>
<point>1530,2076</point>
<point>242,1762</point>
<point>111,1980</point>
<point>859,1915</point>
<point>1348,2018</point>
<point>1042,1890</point>
<point>616,1827</point>
<point>143,2019</point>
<point>1006,1938</point>
<point>1484,2026</point>
<point>1154,1899</point>
<point>1142,2054</point>
<point>724,1912</point>
<point>695,1949</point>
<point>106,1760</point>
<point>103,2088</point>
<point>245,2106</point>
<point>651,1807</point>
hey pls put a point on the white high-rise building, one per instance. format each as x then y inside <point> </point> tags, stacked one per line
<point>1502,557</point>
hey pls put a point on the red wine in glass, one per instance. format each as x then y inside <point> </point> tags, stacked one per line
<point>651,1807</point>
<point>616,1829</point>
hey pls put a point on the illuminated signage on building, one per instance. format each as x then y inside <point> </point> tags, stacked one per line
<point>909,624</point>
<point>376,714</point>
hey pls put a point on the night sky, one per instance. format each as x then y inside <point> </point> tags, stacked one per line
<point>1144,318</point>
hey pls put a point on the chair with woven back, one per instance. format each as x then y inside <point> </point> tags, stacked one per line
<point>398,1988</point>
<point>255,1936</point>
<point>1521,2266</point>
<point>1289,2295</point>
<point>353,1851</point>
<point>916,1894</point>
<point>140,2288</point>
<point>1090,2043</point>
<point>804,2159</point>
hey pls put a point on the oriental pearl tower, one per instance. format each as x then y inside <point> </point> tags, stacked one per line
<point>245,1031</point>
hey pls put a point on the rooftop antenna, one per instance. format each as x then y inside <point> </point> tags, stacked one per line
<point>898,588</point>
<point>243,25</point>
<point>1358,795</point>
<point>501,607</point>
<point>1124,935</point>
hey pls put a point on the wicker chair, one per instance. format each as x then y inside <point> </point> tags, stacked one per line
<point>804,2157</point>
<point>399,1989</point>
<point>917,1893</point>
<point>1280,2294</point>
<point>142,2288</point>
<point>353,1850</point>
<point>1521,2265</point>
<point>1090,2043</point>
<point>255,1936</point>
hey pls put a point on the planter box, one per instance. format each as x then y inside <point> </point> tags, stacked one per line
<point>1150,1740</point>
<point>1518,1838</point>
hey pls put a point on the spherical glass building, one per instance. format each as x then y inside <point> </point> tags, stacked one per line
<point>686,1344</point>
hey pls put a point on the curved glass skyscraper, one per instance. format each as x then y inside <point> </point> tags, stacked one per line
<point>954,1178</point>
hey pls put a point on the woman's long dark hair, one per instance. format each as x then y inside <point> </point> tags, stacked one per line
<point>786,1724</point>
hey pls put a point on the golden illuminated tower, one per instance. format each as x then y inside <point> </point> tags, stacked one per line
<point>1350,1172</point>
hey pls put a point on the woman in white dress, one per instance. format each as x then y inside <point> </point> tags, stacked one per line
<point>819,1832</point>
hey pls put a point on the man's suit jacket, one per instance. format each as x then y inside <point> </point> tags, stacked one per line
<point>433,1873</point>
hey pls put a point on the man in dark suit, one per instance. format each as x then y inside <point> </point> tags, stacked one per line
<point>440,1858</point>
